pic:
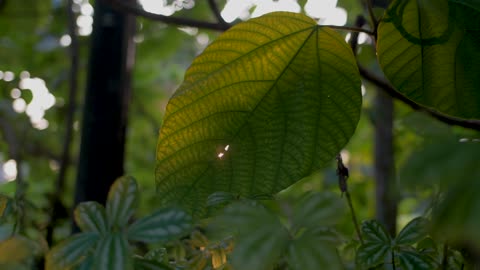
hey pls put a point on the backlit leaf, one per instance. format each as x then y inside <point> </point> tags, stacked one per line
<point>269,102</point>
<point>71,251</point>
<point>122,201</point>
<point>163,225</point>
<point>90,216</point>
<point>429,51</point>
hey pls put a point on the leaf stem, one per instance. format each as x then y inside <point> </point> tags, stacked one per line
<point>342,173</point>
<point>393,260</point>
<point>354,217</point>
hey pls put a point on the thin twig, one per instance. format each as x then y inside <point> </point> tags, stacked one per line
<point>72,95</point>
<point>125,7</point>
<point>354,217</point>
<point>216,11</point>
<point>342,173</point>
<point>386,86</point>
<point>371,14</point>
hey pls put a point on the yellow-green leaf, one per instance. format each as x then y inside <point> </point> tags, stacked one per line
<point>269,102</point>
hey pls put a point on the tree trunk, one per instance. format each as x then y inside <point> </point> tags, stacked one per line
<point>106,104</point>
<point>386,195</point>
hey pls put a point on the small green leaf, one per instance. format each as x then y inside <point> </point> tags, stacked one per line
<point>374,232</point>
<point>4,206</point>
<point>90,216</point>
<point>163,225</point>
<point>220,197</point>
<point>372,254</point>
<point>269,102</point>
<point>122,201</point>
<point>86,264</point>
<point>71,251</point>
<point>261,237</point>
<point>320,209</point>
<point>413,232</point>
<point>16,250</point>
<point>158,254</point>
<point>144,264</point>
<point>313,250</point>
<point>413,260</point>
<point>113,252</point>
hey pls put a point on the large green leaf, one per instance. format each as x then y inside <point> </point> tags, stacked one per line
<point>313,250</point>
<point>261,237</point>
<point>319,209</point>
<point>122,201</point>
<point>429,51</point>
<point>266,104</point>
<point>71,251</point>
<point>113,252</point>
<point>90,216</point>
<point>163,225</point>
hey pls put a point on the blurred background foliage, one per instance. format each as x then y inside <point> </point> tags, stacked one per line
<point>430,156</point>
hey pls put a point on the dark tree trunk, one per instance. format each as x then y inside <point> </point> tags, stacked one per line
<point>106,104</point>
<point>386,195</point>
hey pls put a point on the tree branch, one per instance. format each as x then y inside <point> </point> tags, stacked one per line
<point>124,7</point>
<point>56,203</point>
<point>351,29</point>
<point>371,14</point>
<point>386,86</point>
<point>216,12</point>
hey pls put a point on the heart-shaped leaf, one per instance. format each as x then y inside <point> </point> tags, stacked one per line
<point>90,216</point>
<point>163,225</point>
<point>269,102</point>
<point>429,51</point>
<point>122,201</point>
